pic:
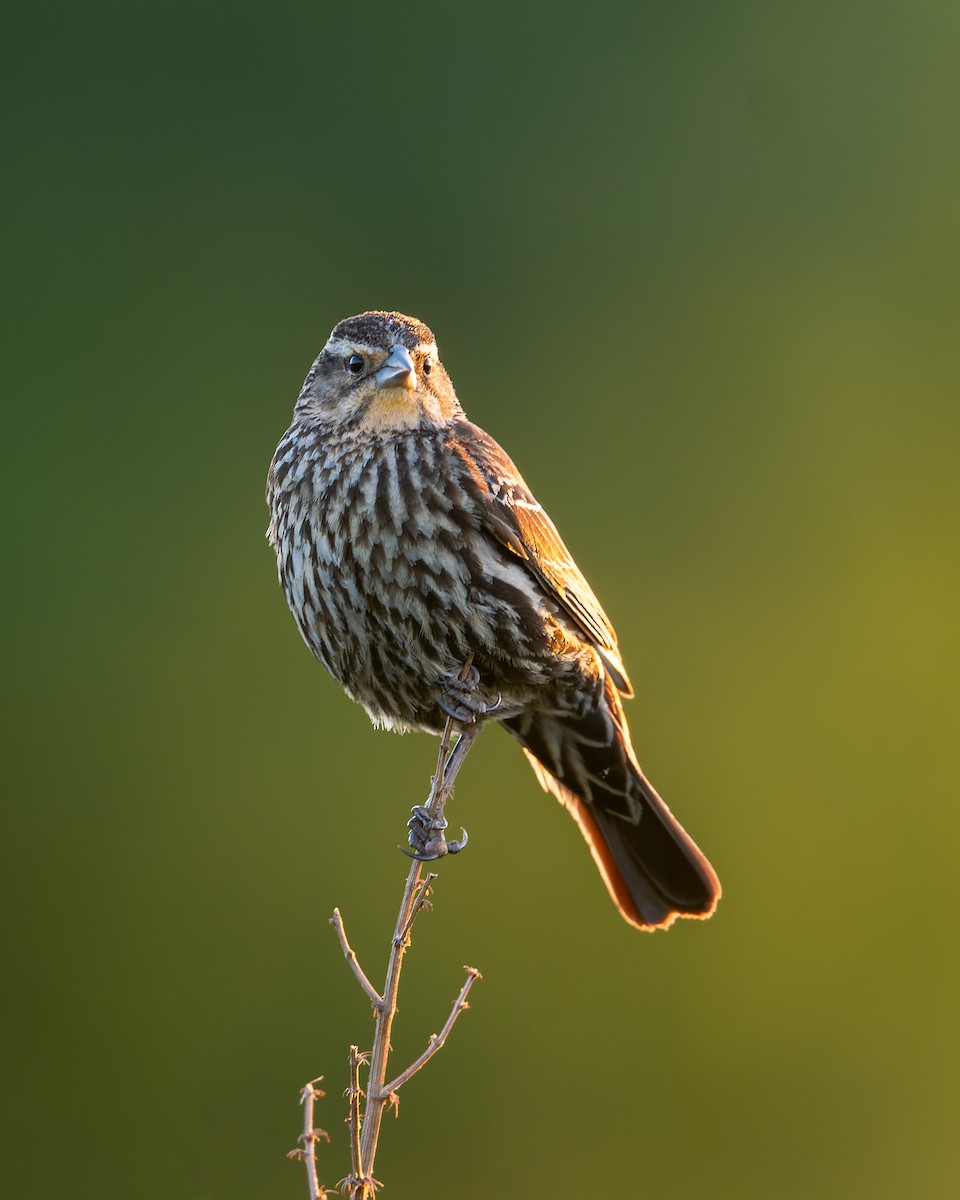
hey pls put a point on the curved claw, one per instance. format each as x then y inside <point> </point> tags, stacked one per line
<point>423,857</point>
<point>458,698</point>
<point>443,848</point>
<point>459,713</point>
<point>457,845</point>
<point>467,711</point>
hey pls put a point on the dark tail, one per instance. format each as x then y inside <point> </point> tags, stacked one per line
<point>653,869</point>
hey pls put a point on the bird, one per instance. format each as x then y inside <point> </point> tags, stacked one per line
<point>427,579</point>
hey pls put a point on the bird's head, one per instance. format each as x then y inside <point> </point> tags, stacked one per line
<point>379,371</point>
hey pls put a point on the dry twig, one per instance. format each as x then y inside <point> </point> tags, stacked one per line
<point>436,1039</point>
<point>309,1138</point>
<point>348,952</point>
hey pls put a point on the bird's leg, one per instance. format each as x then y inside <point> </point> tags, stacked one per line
<point>427,824</point>
<point>457,756</point>
<point>458,699</point>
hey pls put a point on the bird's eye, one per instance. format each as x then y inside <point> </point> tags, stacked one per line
<point>427,366</point>
<point>354,364</point>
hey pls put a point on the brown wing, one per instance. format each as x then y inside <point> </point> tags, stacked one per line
<point>512,514</point>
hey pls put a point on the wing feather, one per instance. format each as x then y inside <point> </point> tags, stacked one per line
<point>513,516</point>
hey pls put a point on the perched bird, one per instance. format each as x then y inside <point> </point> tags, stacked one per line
<point>429,582</point>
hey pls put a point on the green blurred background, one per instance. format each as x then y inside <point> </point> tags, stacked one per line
<point>698,267</point>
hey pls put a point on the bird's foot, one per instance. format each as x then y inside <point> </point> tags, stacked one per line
<point>426,836</point>
<point>458,698</point>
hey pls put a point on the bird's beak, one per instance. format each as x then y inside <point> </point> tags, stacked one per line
<point>397,370</point>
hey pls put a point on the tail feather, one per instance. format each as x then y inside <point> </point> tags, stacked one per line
<point>652,868</point>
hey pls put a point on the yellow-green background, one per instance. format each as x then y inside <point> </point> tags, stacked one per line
<point>696,266</point>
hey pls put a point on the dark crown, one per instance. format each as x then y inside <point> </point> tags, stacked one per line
<point>383,330</point>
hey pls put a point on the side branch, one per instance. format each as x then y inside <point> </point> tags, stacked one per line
<point>350,955</point>
<point>436,1039</point>
<point>419,900</point>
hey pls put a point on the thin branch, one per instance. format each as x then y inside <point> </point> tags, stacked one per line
<point>365,1127</point>
<point>437,1039</point>
<point>436,782</point>
<point>378,1097</point>
<point>348,952</point>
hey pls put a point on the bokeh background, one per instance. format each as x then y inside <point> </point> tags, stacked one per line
<point>697,267</point>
